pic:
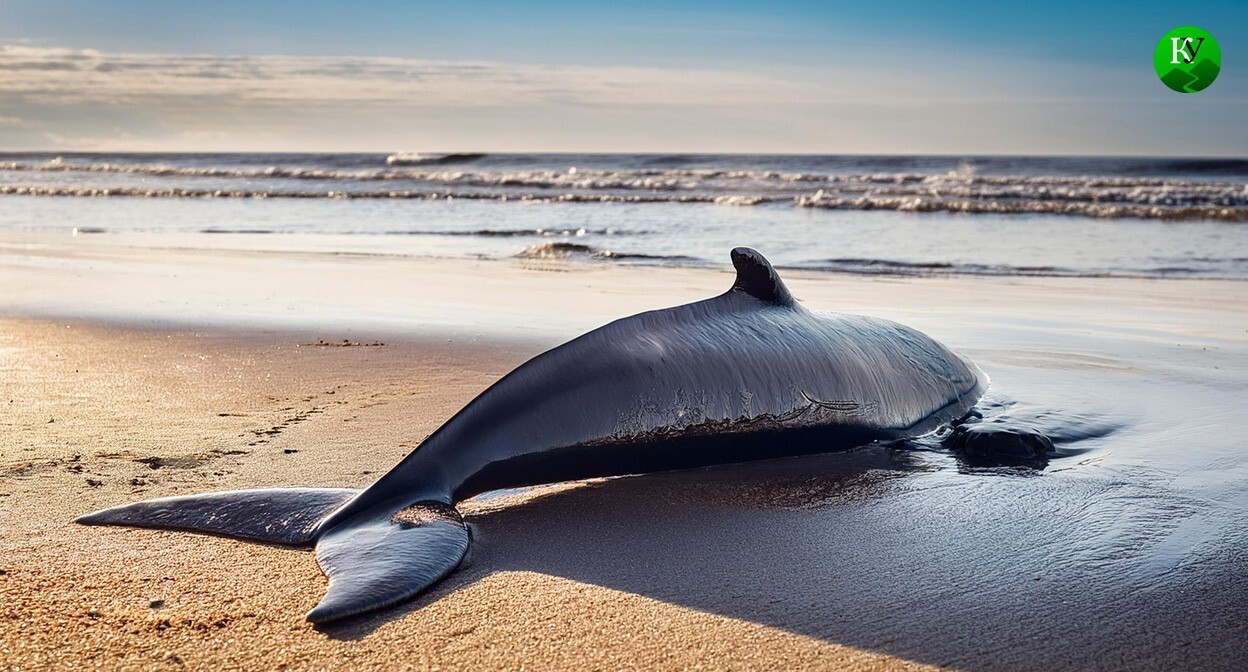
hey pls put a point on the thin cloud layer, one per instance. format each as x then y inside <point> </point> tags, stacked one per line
<point>86,99</point>
<point>67,76</point>
<point>903,102</point>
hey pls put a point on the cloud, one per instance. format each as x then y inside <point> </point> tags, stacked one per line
<point>894,102</point>
<point>68,76</point>
<point>90,99</point>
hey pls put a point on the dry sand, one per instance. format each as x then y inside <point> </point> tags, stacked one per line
<point>127,376</point>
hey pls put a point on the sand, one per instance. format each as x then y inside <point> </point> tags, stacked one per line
<point>131,372</point>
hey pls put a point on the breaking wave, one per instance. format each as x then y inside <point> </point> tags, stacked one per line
<point>961,190</point>
<point>152,192</point>
<point>416,158</point>
<point>1160,206</point>
<point>644,178</point>
<point>562,250</point>
<point>1189,204</point>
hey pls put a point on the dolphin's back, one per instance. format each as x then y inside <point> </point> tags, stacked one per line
<point>664,389</point>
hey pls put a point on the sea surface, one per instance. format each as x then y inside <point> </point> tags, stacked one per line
<point>910,215</point>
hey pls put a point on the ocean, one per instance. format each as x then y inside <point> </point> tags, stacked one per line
<point>908,215</point>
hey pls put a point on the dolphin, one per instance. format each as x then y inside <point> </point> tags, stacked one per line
<point>747,375</point>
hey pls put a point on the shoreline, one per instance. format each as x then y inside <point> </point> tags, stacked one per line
<point>131,280</point>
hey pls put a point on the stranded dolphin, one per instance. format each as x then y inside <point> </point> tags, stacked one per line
<point>746,375</point>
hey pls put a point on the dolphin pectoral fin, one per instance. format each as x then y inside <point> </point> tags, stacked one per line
<point>276,515</point>
<point>383,561</point>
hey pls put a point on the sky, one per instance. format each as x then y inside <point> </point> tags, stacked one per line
<point>890,77</point>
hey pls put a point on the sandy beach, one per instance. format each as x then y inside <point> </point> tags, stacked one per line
<point>135,368</point>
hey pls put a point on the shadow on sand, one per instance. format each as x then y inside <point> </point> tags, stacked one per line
<point>879,549</point>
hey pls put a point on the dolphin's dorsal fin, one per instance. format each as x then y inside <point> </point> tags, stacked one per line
<point>757,278</point>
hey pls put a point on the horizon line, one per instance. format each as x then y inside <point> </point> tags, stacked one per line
<point>484,152</point>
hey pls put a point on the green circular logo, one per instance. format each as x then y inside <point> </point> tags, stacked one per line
<point>1187,59</point>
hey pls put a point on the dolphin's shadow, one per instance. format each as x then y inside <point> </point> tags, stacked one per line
<point>601,531</point>
<point>876,549</point>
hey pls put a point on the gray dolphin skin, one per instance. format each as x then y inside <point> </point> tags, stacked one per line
<point>747,375</point>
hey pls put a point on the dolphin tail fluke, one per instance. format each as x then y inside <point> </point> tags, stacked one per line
<point>372,561</point>
<point>384,560</point>
<point>276,515</point>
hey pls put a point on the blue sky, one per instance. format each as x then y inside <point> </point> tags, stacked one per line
<point>885,77</point>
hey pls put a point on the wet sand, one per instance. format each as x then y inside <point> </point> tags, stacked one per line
<point>131,373</point>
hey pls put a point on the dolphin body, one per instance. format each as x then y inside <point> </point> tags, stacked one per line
<point>746,375</point>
